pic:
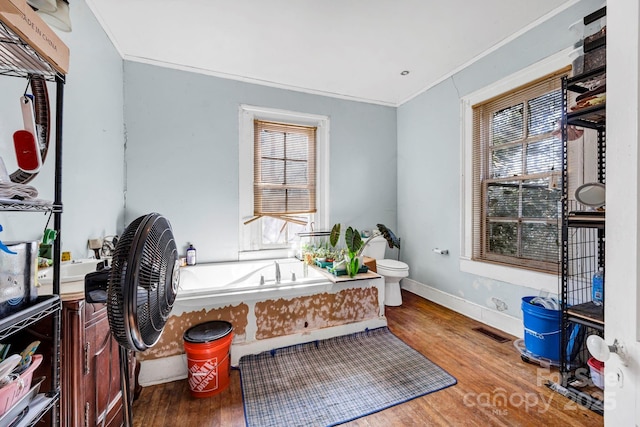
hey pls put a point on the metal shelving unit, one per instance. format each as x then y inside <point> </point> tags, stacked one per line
<point>9,205</point>
<point>44,305</point>
<point>19,57</point>
<point>583,246</point>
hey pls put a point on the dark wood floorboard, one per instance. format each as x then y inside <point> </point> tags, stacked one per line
<point>495,388</point>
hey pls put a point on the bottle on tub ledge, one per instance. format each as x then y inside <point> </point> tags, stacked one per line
<point>191,255</point>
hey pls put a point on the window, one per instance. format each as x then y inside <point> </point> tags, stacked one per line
<point>517,161</point>
<point>283,176</point>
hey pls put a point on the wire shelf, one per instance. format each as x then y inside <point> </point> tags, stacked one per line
<point>19,59</point>
<point>29,206</point>
<point>43,306</point>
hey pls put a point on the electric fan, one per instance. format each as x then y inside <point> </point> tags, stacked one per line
<point>139,289</point>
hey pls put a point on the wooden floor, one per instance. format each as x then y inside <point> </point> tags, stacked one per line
<point>495,388</point>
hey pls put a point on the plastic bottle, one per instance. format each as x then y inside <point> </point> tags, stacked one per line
<point>597,287</point>
<point>191,255</point>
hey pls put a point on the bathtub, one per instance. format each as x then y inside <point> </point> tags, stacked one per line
<point>230,279</point>
<point>304,306</point>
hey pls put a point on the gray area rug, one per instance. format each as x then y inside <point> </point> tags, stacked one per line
<point>336,380</point>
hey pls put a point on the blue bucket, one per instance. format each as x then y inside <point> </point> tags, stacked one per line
<point>541,330</point>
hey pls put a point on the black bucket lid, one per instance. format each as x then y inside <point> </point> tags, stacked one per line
<point>208,331</point>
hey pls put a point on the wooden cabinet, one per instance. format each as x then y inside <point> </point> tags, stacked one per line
<point>91,390</point>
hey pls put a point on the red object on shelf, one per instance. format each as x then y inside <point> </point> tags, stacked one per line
<point>12,392</point>
<point>27,151</point>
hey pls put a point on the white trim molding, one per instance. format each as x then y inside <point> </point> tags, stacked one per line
<point>249,234</point>
<point>493,318</point>
<point>517,276</point>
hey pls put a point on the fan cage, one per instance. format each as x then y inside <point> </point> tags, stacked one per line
<point>143,282</point>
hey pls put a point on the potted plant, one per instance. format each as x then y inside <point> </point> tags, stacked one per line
<point>321,254</point>
<point>334,254</point>
<point>307,254</point>
<point>352,258</point>
<point>355,245</point>
<point>353,241</point>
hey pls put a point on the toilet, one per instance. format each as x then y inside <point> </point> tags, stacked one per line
<point>390,269</point>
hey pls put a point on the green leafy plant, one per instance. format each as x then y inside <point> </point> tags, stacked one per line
<point>333,252</point>
<point>335,235</point>
<point>392,240</point>
<point>321,252</point>
<point>354,243</point>
<point>353,240</point>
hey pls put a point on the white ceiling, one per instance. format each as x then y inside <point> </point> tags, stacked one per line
<point>354,49</point>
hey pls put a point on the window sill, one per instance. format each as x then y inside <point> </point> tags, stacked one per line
<point>517,276</point>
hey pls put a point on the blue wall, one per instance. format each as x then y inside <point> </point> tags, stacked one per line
<point>182,154</point>
<point>429,163</point>
<point>93,146</point>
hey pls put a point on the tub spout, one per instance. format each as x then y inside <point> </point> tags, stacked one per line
<point>277,272</point>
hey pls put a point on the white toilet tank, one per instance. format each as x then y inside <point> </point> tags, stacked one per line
<point>375,248</point>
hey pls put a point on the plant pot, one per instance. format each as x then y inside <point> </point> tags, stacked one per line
<point>352,265</point>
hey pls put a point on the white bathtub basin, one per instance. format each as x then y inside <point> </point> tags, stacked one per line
<point>71,277</point>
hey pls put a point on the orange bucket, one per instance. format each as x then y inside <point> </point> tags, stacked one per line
<point>207,346</point>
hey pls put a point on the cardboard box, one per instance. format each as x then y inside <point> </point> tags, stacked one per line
<point>21,19</point>
<point>371,263</point>
<point>8,7</point>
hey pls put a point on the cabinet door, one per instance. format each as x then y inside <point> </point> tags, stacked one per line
<point>91,390</point>
<point>101,370</point>
<point>72,334</point>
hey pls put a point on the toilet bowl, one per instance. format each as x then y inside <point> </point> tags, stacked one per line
<point>392,271</point>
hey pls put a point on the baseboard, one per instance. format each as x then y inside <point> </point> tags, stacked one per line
<point>163,370</point>
<point>493,318</point>
<point>173,368</point>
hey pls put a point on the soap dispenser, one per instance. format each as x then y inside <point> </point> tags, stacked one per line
<point>191,255</point>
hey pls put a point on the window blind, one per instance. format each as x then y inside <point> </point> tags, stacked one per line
<point>517,161</point>
<point>284,173</point>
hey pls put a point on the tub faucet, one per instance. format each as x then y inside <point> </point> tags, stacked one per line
<point>277,272</point>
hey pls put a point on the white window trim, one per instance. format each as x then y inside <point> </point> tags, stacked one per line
<point>518,276</point>
<point>247,233</point>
